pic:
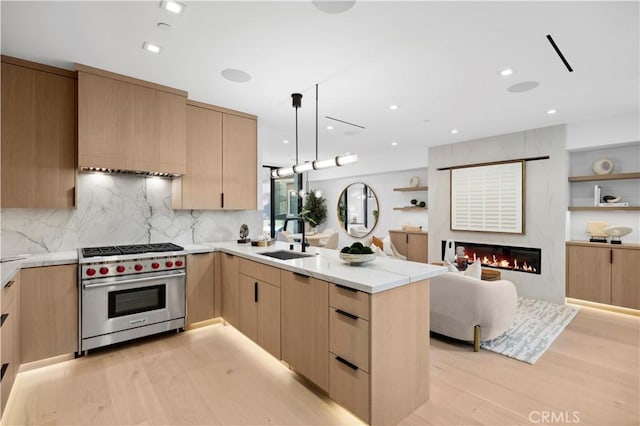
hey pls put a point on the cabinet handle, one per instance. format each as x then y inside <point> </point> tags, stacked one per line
<point>407,238</point>
<point>301,275</point>
<point>610,256</point>
<point>4,369</point>
<point>222,199</point>
<point>346,314</point>
<point>344,287</point>
<point>255,291</point>
<point>347,363</point>
<point>9,284</point>
<point>3,318</point>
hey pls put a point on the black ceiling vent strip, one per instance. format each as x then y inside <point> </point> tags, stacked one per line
<point>555,47</point>
<point>345,122</point>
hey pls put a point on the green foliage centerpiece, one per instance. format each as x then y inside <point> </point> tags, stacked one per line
<point>314,210</point>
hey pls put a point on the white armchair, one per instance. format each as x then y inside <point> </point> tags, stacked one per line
<point>466,308</point>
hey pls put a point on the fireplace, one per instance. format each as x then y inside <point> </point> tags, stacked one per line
<point>511,258</point>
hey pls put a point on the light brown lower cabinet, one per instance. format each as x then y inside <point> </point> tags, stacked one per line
<point>603,273</point>
<point>49,307</point>
<point>200,287</point>
<point>379,354</point>
<point>229,287</point>
<point>9,338</point>
<point>305,326</point>
<point>259,307</point>
<point>413,245</point>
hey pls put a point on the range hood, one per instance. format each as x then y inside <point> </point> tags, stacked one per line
<point>127,172</point>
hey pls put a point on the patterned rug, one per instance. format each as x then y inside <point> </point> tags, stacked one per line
<point>536,326</point>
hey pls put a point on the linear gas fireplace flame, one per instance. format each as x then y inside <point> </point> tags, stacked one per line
<point>522,259</point>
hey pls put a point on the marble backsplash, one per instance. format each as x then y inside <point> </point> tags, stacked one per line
<point>118,209</point>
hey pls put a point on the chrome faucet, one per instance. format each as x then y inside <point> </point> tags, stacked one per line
<point>300,220</point>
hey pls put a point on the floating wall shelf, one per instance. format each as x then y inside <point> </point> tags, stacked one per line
<point>412,188</point>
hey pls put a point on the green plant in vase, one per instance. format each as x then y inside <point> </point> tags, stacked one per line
<point>314,210</point>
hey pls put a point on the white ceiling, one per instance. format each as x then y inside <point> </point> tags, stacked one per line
<point>438,61</point>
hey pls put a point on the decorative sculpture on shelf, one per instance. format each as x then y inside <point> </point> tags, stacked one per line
<point>617,231</point>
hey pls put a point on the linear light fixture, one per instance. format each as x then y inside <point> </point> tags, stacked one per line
<point>338,161</point>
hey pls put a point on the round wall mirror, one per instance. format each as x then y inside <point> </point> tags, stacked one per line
<point>358,210</point>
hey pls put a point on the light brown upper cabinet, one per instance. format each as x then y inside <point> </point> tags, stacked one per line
<point>38,135</point>
<point>130,124</point>
<point>221,160</point>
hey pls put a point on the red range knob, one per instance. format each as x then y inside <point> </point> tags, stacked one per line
<point>91,272</point>
<point>155,265</point>
<point>138,267</point>
<point>178,262</point>
<point>120,268</point>
<point>169,264</point>
<point>104,270</point>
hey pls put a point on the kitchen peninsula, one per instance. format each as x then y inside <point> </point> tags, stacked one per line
<point>358,333</point>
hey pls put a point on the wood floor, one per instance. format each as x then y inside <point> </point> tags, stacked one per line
<point>214,375</point>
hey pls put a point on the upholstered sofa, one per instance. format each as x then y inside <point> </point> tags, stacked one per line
<point>467,308</point>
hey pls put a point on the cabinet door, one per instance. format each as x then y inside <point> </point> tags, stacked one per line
<point>10,338</point>
<point>305,326</point>
<point>239,180</point>
<point>589,273</point>
<point>200,279</point>
<point>248,307</point>
<point>625,271</point>
<point>417,247</point>
<point>229,288</point>
<point>38,138</point>
<point>49,311</point>
<point>129,126</point>
<point>269,318</point>
<point>201,186</point>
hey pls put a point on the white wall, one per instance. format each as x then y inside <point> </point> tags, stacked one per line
<point>545,209</point>
<point>382,184</point>
<point>606,131</point>
<point>119,209</point>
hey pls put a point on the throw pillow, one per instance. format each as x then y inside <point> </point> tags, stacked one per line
<point>386,245</point>
<point>377,242</point>
<point>396,253</point>
<point>378,251</point>
<point>450,266</point>
<point>474,270</point>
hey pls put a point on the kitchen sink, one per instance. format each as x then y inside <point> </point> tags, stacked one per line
<point>285,254</point>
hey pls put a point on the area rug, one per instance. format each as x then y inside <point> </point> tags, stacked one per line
<point>536,326</point>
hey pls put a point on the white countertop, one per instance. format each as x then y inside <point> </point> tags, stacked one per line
<point>373,277</point>
<point>379,275</point>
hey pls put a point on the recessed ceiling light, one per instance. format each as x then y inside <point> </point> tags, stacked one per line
<point>551,111</point>
<point>506,72</point>
<point>329,127</point>
<point>393,107</point>
<point>454,131</point>
<point>523,86</point>
<point>163,26</point>
<point>173,6</point>
<point>153,48</point>
<point>394,143</point>
<point>237,76</point>
<point>333,6</point>
<point>285,141</point>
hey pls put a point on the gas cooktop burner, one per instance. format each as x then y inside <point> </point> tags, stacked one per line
<point>130,249</point>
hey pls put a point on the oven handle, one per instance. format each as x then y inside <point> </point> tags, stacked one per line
<point>134,280</point>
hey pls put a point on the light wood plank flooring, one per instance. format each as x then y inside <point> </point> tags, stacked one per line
<point>214,375</point>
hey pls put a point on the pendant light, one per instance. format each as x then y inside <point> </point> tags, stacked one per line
<point>307,166</point>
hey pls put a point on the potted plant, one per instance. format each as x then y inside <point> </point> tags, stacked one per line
<point>314,210</point>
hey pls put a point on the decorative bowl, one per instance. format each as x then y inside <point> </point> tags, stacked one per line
<point>357,259</point>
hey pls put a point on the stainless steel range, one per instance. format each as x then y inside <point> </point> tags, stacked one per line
<point>130,291</point>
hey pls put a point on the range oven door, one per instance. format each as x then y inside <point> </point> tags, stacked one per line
<point>117,307</point>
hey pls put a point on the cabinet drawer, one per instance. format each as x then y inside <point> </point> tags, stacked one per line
<point>9,292</point>
<point>349,387</point>
<point>349,338</point>
<point>259,271</point>
<point>353,301</point>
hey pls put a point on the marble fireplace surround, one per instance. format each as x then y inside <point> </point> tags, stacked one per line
<point>118,209</point>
